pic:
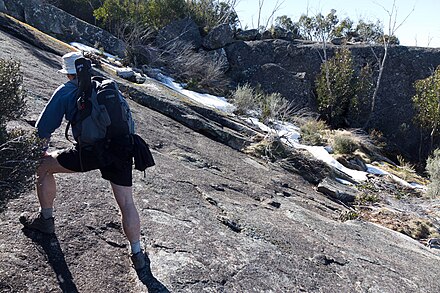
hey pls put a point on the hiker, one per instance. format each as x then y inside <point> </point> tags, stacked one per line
<point>63,103</point>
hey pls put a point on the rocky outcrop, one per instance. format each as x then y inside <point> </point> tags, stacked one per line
<point>61,25</point>
<point>275,63</point>
<point>337,191</point>
<point>247,35</point>
<point>218,37</point>
<point>185,31</point>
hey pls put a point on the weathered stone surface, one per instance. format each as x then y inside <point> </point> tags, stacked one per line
<point>266,35</point>
<point>291,85</point>
<point>184,30</point>
<point>197,117</point>
<point>62,25</point>
<point>337,191</point>
<point>218,37</point>
<point>247,35</point>
<point>9,24</point>
<point>213,219</point>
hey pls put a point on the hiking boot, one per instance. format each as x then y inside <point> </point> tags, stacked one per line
<point>37,222</point>
<point>141,264</point>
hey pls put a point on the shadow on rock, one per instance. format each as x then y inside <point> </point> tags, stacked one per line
<point>155,286</point>
<point>55,257</point>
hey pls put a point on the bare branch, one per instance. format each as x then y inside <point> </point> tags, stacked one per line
<point>260,7</point>
<point>275,9</point>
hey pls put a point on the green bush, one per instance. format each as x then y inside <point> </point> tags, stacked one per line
<point>209,13</point>
<point>267,107</point>
<point>339,88</point>
<point>344,144</point>
<point>19,150</point>
<point>12,95</point>
<point>312,132</point>
<point>426,101</point>
<point>433,169</point>
<point>158,13</point>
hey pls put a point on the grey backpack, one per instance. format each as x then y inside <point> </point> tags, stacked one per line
<point>103,113</point>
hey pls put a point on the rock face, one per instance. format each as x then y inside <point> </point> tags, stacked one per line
<point>61,25</point>
<point>247,35</point>
<point>213,218</point>
<point>185,30</point>
<point>218,37</point>
<point>275,63</point>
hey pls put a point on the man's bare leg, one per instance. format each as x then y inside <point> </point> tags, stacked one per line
<point>46,185</point>
<point>130,217</point>
<point>46,192</point>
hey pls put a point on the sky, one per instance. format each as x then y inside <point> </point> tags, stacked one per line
<point>421,28</point>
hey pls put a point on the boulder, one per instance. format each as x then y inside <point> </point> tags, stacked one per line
<point>266,35</point>
<point>61,25</point>
<point>279,33</point>
<point>248,35</point>
<point>218,37</point>
<point>184,30</point>
<point>337,191</point>
<point>338,41</point>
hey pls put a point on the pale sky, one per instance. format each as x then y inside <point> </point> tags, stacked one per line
<point>422,27</point>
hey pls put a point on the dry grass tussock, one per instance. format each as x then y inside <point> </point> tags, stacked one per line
<point>199,71</point>
<point>405,223</point>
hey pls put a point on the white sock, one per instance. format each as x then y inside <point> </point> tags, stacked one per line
<point>47,213</point>
<point>135,247</point>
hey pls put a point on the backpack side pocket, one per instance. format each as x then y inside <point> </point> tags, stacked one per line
<point>143,158</point>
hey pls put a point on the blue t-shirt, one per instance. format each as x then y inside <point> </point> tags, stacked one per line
<point>61,104</point>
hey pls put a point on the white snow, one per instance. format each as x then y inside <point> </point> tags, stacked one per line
<point>86,48</point>
<point>212,101</point>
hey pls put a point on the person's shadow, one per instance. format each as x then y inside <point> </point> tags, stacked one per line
<point>55,257</point>
<point>155,286</point>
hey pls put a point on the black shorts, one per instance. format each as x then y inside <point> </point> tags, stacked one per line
<point>119,171</point>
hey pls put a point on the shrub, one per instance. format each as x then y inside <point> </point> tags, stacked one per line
<point>348,215</point>
<point>426,101</point>
<point>210,13</point>
<point>274,107</point>
<point>19,150</point>
<point>154,13</point>
<point>367,198</point>
<point>158,13</point>
<point>339,88</point>
<point>246,99</point>
<point>12,95</point>
<point>268,107</point>
<point>433,169</point>
<point>344,143</point>
<point>201,72</point>
<point>270,148</point>
<point>312,131</point>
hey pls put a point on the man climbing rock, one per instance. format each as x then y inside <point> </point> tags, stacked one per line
<point>83,158</point>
